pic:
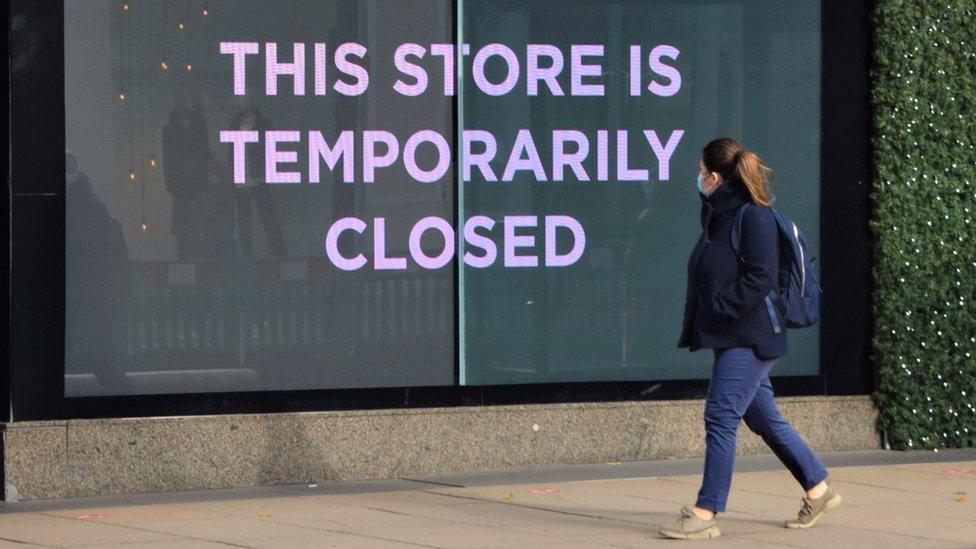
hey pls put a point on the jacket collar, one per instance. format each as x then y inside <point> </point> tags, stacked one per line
<point>723,201</point>
<point>728,196</point>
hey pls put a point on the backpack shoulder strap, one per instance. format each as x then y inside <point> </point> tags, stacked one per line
<point>737,227</point>
<point>790,237</point>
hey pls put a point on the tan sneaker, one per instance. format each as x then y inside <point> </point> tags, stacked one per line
<point>813,509</point>
<point>690,526</point>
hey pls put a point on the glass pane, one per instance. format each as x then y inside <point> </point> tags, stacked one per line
<point>192,270</point>
<point>750,70</point>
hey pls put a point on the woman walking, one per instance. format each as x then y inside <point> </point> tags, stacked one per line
<point>724,312</point>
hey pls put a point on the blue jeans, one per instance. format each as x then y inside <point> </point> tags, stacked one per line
<point>740,389</point>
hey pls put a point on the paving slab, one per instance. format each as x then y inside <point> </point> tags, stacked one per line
<point>890,501</point>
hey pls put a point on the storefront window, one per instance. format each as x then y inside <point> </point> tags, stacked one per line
<point>181,279</point>
<point>750,70</point>
<point>339,194</point>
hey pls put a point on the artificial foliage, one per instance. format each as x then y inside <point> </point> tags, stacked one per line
<point>924,222</point>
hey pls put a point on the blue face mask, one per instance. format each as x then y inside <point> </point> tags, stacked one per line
<point>700,188</point>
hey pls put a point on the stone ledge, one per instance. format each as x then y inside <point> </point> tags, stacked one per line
<point>114,456</point>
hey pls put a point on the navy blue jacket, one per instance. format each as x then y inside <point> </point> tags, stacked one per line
<point>724,304</point>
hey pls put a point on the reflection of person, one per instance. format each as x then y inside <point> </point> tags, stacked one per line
<point>217,212</point>
<point>97,282</point>
<point>723,312</point>
<point>186,166</point>
<point>255,188</point>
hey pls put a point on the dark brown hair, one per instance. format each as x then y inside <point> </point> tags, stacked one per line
<point>728,158</point>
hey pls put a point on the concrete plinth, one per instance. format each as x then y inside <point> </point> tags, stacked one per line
<point>53,459</point>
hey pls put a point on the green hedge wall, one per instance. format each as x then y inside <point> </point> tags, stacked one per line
<point>924,222</point>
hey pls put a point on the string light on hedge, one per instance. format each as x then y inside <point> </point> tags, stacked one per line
<point>907,208</point>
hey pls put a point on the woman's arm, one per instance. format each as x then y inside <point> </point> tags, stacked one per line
<point>759,252</point>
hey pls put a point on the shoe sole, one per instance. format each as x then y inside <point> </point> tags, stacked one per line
<point>832,503</point>
<point>711,532</point>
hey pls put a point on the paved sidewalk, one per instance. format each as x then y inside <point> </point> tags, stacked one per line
<point>891,500</point>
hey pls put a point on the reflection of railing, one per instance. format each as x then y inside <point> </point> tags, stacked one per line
<point>406,306</point>
<point>232,307</point>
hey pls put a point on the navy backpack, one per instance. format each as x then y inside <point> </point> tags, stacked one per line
<point>798,292</point>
